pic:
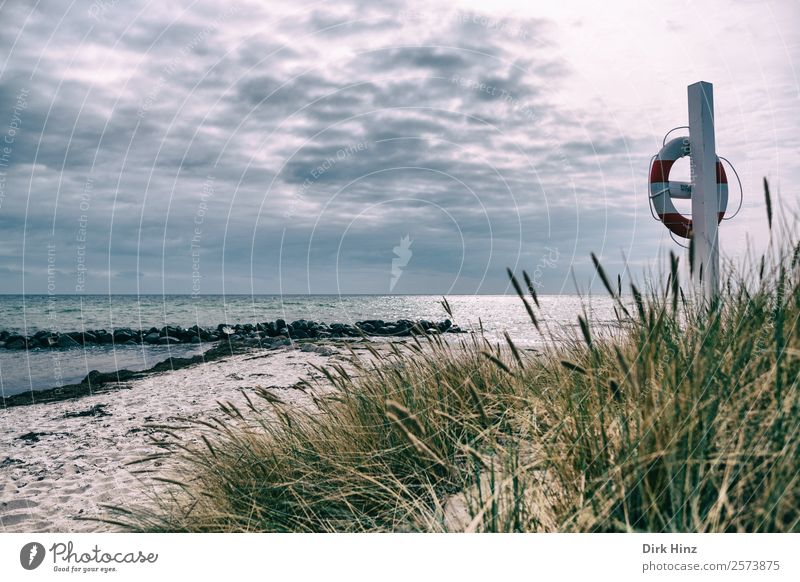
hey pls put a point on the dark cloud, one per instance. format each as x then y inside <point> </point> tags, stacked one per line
<point>294,148</point>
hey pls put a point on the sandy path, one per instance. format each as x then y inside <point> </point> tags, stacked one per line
<point>68,465</point>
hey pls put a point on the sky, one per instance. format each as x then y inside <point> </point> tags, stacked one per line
<point>372,147</point>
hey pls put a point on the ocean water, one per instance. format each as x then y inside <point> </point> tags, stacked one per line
<point>37,369</point>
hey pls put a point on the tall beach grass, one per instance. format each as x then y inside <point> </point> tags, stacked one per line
<point>684,418</point>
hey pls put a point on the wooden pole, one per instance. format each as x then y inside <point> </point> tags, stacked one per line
<point>705,202</point>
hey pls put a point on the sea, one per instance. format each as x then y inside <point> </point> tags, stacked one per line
<point>41,368</point>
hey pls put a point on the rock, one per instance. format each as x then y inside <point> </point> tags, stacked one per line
<point>8,461</point>
<point>131,342</point>
<point>280,324</point>
<point>444,325</point>
<point>122,335</point>
<point>16,342</point>
<point>65,341</point>
<point>103,337</point>
<point>48,341</point>
<point>96,410</point>
<point>322,350</point>
<point>152,338</point>
<point>168,340</point>
<point>76,335</point>
<point>194,339</point>
<point>92,377</point>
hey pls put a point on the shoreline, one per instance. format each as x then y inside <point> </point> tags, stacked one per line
<point>225,340</point>
<point>65,458</point>
<point>97,382</point>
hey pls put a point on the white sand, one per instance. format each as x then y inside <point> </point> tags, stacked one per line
<point>82,462</point>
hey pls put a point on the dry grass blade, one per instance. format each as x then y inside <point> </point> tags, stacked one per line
<point>573,367</point>
<point>768,202</point>
<point>497,362</point>
<point>404,416</point>
<point>587,336</point>
<point>521,295</point>
<point>602,274</point>
<point>514,349</point>
<point>531,288</point>
<point>446,306</point>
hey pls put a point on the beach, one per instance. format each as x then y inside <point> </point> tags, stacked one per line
<point>62,461</point>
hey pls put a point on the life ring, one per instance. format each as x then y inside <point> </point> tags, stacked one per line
<point>662,191</point>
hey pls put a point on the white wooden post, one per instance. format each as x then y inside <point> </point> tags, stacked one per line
<point>705,203</point>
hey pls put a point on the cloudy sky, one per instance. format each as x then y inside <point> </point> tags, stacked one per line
<point>346,147</point>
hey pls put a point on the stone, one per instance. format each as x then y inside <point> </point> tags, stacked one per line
<point>121,338</point>
<point>152,338</point>
<point>103,337</point>
<point>48,341</point>
<point>322,350</point>
<point>16,342</point>
<point>65,341</point>
<point>123,334</point>
<point>168,340</point>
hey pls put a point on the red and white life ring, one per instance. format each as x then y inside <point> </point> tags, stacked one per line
<point>662,191</point>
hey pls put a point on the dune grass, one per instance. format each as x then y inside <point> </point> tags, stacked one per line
<point>684,418</point>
